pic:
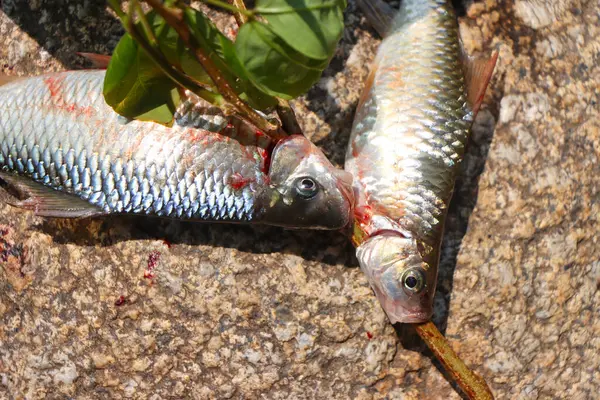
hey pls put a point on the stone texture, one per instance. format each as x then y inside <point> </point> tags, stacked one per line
<point>540,13</point>
<point>137,308</point>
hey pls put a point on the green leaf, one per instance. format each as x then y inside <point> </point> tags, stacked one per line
<point>222,52</point>
<point>272,65</point>
<point>135,87</point>
<point>213,42</point>
<point>311,27</point>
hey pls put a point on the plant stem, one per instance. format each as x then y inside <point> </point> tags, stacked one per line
<point>145,23</point>
<point>176,21</point>
<point>284,109</point>
<point>288,10</point>
<point>473,385</point>
<point>286,114</point>
<point>470,383</point>
<point>156,56</point>
<point>240,17</point>
<point>233,8</point>
<point>116,7</point>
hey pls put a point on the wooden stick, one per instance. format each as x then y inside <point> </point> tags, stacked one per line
<point>473,385</point>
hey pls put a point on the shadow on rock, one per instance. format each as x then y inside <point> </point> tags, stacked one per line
<point>460,210</point>
<point>329,247</point>
<point>64,27</point>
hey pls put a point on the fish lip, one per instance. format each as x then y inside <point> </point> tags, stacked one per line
<point>415,318</point>
<point>399,314</point>
<point>409,317</point>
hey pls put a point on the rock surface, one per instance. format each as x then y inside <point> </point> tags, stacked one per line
<point>138,308</point>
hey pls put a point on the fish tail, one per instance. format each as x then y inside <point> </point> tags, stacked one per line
<point>379,14</point>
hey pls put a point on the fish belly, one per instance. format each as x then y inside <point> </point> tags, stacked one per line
<point>57,130</point>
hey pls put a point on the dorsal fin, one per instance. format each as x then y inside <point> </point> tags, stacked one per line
<point>478,73</point>
<point>368,84</point>
<point>44,201</point>
<point>379,14</point>
<point>99,61</point>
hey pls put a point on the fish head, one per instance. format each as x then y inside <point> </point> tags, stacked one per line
<point>307,190</point>
<point>402,281</point>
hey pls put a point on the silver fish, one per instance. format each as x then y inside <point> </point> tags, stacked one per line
<point>407,142</point>
<point>70,155</point>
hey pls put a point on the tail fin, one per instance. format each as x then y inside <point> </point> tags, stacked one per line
<point>379,14</point>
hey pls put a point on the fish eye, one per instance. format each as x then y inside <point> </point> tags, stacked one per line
<point>306,187</point>
<point>413,281</point>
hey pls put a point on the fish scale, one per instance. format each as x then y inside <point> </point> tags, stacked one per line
<point>58,130</point>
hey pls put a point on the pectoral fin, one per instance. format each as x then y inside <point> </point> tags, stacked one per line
<point>4,79</point>
<point>368,84</point>
<point>478,73</point>
<point>44,201</point>
<point>379,14</point>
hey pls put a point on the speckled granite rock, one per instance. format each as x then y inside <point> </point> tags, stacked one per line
<point>541,13</point>
<point>131,307</point>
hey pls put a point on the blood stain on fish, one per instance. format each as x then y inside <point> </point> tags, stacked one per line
<point>56,94</point>
<point>196,135</point>
<point>363,214</point>
<point>237,181</point>
<point>266,156</point>
<point>54,85</point>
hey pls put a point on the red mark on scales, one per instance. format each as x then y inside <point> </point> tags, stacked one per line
<point>231,32</point>
<point>354,150</point>
<point>55,85</point>
<point>369,335</point>
<point>198,135</point>
<point>237,181</point>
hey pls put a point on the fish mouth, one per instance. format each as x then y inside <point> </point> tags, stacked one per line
<point>398,314</point>
<point>416,318</point>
